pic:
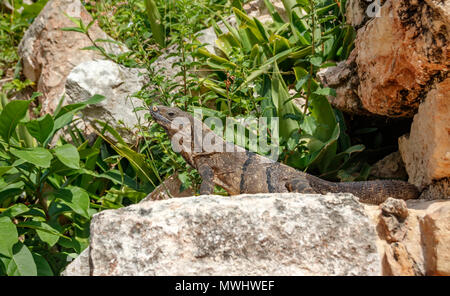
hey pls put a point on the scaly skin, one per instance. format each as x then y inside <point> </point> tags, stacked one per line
<point>243,171</point>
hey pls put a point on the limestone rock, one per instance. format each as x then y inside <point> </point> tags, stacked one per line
<point>426,151</point>
<point>439,189</point>
<point>49,54</point>
<point>390,167</point>
<point>396,261</point>
<point>401,55</point>
<point>423,248</point>
<point>79,266</point>
<point>117,84</point>
<point>358,12</point>
<point>398,57</point>
<point>261,234</point>
<point>436,236</point>
<point>392,219</point>
<point>343,79</point>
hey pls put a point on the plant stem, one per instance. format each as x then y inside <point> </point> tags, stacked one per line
<point>311,67</point>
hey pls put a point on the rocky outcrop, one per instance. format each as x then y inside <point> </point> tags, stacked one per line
<point>49,54</point>
<point>413,236</point>
<point>261,234</point>
<point>436,239</point>
<point>342,78</point>
<point>79,266</point>
<point>426,150</point>
<point>398,58</point>
<point>269,234</point>
<point>117,84</point>
<point>439,189</point>
<point>390,167</point>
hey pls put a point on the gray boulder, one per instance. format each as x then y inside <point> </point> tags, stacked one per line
<point>117,84</point>
<point>252,234</point>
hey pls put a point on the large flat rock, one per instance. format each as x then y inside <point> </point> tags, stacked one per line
<point>261,234</point>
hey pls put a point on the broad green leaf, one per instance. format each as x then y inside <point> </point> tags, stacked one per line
<point>8,235</point>
<point>75,198</point>
<point>284,106</point>
<point>43,268</point>
<point>32,10</point>
<point>4,169</point>
<point>325,92</point>
<point>323,159</point>
<point>41,128</point>
<point>68,155</point>
<point>322,111</point>
<point>22,262</point>
<point>156,22</point>
<point>15,210</point>
<point>225,43</point>
<point>275,15</point>
<point>118,178</point>
<point>38,156</point>
<point>11,114</point>
<point>45,232</point>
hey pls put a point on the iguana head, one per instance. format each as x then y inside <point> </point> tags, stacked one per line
<point>165,116</point>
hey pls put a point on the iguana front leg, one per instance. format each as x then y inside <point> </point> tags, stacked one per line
<point>300,185</point>
<point>207,174</point>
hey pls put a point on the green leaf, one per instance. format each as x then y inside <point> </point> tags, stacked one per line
<point>38,156</point>
<point>156,22</point>
<point>284,106</point>
<point>41,128</point>
<point>73,29</point>
<point>325,92</point>
<point>22,262</point>
<point>75,198</point>
<point>68,155</point>
<point>8,235</point>
<point>45,232</point>
<point>4,169</point>
<point>15,210</point>
<point>11,114</point>
<point>43,268</point>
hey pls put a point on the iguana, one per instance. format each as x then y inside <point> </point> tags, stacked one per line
<point>243,171</point>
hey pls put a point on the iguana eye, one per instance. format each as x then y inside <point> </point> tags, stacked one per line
<point>155,109</point>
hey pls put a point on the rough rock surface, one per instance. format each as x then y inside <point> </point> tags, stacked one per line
<point>392,217</point>
<point>343,79</point>
<point>117,84</point>
<point>439,189</point>
<point>49,54</point>
<point>390,167</point>
<point>436,237</point>
<point>79,266</point>
<point>358,12</point>
<point>398,56</point>
<point>262,234</point>
<point>413,240</point>
<point>267,235</point>
<point>426,151</point>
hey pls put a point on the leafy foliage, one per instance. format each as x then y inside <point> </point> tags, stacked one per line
<point>49,192</point>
